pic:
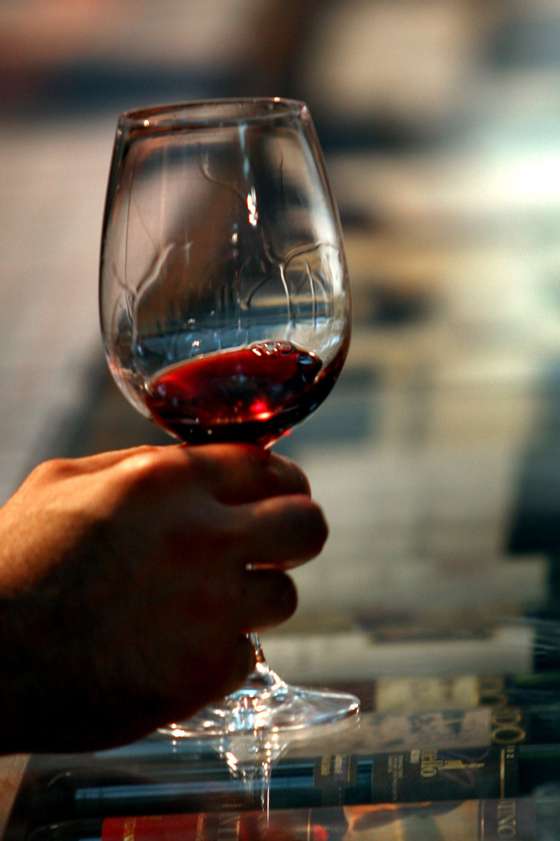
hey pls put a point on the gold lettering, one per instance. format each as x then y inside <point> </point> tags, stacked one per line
<point>506,726</point>
<point>430,765</point>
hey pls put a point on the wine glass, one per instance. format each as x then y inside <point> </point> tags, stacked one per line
<point>225,306</point>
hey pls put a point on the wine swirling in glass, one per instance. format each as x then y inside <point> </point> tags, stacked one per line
<point>225,306</point>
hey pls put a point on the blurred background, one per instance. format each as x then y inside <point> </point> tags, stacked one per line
<point>436,458</point>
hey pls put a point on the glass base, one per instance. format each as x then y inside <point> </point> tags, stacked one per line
<point>267,704</point>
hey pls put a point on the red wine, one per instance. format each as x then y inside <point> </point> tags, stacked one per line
<point>253,394</point>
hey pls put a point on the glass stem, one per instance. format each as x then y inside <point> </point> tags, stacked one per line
<point>259,653</point>
<point>262,678</point>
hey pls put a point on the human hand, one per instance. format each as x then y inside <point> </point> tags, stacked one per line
<point>124,590</point>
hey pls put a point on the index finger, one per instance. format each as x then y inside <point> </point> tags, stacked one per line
<point>237,474</point>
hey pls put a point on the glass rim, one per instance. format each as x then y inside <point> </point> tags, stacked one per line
<point>212,113</point>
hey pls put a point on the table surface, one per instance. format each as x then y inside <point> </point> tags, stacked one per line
<point>163,776</point>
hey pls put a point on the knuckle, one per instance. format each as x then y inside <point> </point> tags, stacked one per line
<point>140,471</point>
<point>53,470</point>
<point>146,470</point>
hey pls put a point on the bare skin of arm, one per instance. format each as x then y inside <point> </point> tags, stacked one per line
<point>124,590</point>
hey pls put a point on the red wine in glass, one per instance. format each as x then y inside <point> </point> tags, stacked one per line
<point>253,394</point>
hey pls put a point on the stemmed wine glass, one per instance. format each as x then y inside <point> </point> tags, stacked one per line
<point>225,306</point>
